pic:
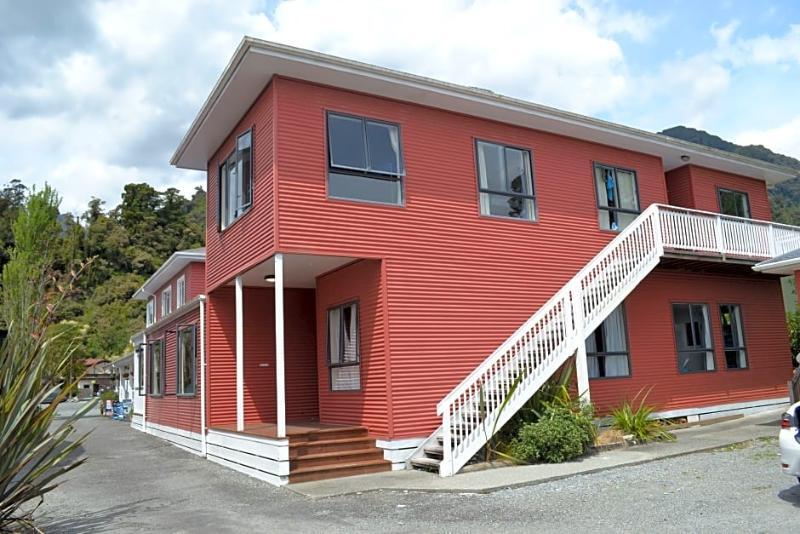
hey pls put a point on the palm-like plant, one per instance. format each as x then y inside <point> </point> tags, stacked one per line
<point>635,418</point>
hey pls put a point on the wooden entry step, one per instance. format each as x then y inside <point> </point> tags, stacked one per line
<point>334,452</point>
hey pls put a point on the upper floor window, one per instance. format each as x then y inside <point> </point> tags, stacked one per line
<point>344,360</point>
<point>166,302</point>
<point>693,337</point>
<point>180,296</point>
<point>733,336</point>
<point>617,196</point>
<point>150,314</point>
<point>505,182</point>
<point>734,203</point>
<point>365,160</point>
<point>607,348</point>
<point>236,181</point>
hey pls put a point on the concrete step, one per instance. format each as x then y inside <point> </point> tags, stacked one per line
<point>427,464</point>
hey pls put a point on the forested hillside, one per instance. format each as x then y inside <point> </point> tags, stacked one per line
<point>126,244</point>
<point>785,197</point>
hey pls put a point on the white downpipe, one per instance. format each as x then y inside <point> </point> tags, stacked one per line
<point>239,354</point>
<point>280,384</point>
<point>203,437</point>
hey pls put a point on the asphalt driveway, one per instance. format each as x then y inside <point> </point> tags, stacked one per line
<point>138,483</point>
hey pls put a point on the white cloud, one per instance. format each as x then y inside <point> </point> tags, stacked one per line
<point>107,104</point>
<point>784,138</point>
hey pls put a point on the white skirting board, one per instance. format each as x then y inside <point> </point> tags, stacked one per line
<point>184,439</point>
<point>262,458</point>
<point>398,451</point>
<point>136,422</point>
<point>705,413</point>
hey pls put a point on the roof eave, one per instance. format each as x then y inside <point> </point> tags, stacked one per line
<point>767,172</point>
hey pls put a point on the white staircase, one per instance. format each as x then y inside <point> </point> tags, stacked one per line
<point>472,410</point>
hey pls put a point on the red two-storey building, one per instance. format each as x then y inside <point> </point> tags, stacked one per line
<point>384,252</point>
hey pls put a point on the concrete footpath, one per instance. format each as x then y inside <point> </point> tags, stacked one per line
<point>689,440</point>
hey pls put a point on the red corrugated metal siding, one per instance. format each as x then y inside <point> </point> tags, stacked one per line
<point>259,348</point>
<point>221,356</point>
<point>361,282</point>
<point>679,187</point>
<point>251,238</point>
<point>195,279</point>
<point>654,360</point>
<point>704,191</point>
<point>170,409</point>
<point>458,284</point>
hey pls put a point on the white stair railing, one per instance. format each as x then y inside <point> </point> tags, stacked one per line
<point>530,356</point>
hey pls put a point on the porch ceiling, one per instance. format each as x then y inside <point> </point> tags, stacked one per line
<point>300,270</point>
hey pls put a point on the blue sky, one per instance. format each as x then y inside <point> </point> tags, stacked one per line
<point>95,94</point>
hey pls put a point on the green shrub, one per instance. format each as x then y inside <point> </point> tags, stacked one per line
<point>561,434</point>
<point>109,394</point>
<point>638,422</point>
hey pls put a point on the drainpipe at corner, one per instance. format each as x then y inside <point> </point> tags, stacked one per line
<point>203,440</point>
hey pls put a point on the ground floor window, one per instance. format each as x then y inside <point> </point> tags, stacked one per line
<point>607,348</point>
<point>156,350</point>
<point>186,360</point>
<point>140,372</point>
<point>344,360</point>
<point>693,337</point>
<point>733,336</point>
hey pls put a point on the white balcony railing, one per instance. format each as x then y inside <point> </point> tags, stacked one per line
<point>530,356</point>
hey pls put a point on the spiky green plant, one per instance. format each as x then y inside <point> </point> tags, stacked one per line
<point>635,418</point>
<point>34,449</point>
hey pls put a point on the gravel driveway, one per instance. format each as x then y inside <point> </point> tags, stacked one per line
<point>137,483</point>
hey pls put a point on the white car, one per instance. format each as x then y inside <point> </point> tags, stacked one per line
<point>789,440</point>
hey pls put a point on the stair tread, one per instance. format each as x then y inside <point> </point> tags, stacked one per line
<point>333,454</point>
<point>336,441</point>
<point>334,467</point>
<point>436,449</point>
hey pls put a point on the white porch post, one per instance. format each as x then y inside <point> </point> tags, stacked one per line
<point>239,354</point>
<point>145,382</point>
<point>280,384</point>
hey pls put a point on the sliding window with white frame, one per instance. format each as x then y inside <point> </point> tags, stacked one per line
<point>733,336</point>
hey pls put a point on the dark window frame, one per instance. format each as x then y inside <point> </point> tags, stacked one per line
<point>532,196</point>
<point>179,387</point>
<point>721,190</point>
<point>615,168</point>
<point>742,347</point>
<point>161,368</point>
<point>234,154</point>
<point>626,353</point>
<point>711,348</point>
<point>366,172</point>
<point>357,362</point>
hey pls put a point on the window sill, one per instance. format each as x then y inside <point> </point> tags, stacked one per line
<point>360,202</point>
<point>236,220</point>
<point>511,219</point>
<point>186,395</point>
<point>609,377</point>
